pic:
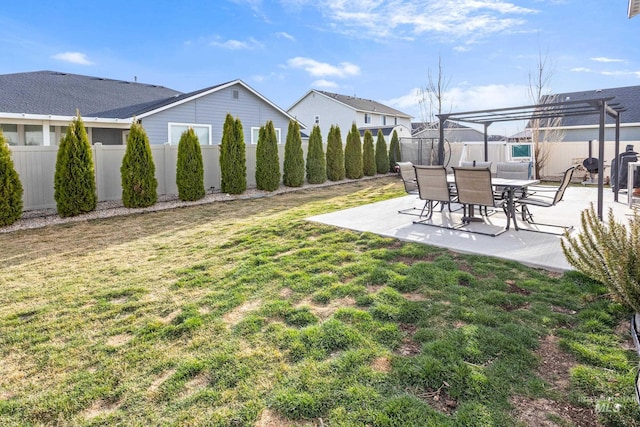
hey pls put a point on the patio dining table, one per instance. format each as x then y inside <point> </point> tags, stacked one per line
<point>510,187</point>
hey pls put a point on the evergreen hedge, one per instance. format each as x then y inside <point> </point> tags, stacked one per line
<point>335,155</point>
<point>10,187</point>
<point>138,172</point>
<point>394,152</point>
<point>368,155</point>
<point>382,156</point>
<point>316,161</point>
<point>293,168</point>
<point>190,168</point>
<point>353,154</point>
<point>75,180</point>
<point>233,163</point>
<point>267,160</point>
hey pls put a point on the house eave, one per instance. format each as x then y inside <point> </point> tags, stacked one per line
<point>634,8</point>
<point>16,117</point>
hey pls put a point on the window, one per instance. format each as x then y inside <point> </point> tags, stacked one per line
<point>235,94</point>
<point>520,151</point>
<point>395,121</point>
<point>255,134</point>
<point>203,132</point>
<point>33,135</point>
<point>316,120</point>
<point>367,118</point>
<point>384,120</point>
<point>10,133</point>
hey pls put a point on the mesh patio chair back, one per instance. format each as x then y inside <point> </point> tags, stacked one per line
<point>513,170</point>
<point>566,180</point>
<point>474,186</point>
<point>408,176</point>
<point>475,164</point>
<point>432,183</point>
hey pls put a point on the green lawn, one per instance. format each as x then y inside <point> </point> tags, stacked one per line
<point>244,314</point>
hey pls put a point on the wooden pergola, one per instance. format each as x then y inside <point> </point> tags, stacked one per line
<point>597,106</point>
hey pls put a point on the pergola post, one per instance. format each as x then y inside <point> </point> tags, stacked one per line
<point>617,152</point>
<point>442,118</point>
<point>603,108</point>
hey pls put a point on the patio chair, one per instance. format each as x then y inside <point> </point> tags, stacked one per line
<point>408,176</point>
<point>474,187</point>
<point>475,164</point>
<point>434,189</point>
<point>538,198</point>
<point>512,170</point>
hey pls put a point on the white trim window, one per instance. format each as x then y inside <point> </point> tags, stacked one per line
<point>203,132</point>
<point>255,134</point>
<point>367,118</point>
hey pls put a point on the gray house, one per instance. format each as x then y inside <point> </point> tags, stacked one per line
<point>585,128</point>
<point>36,107</point>
<point>325,109</point>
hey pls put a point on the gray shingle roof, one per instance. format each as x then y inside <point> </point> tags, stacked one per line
<point>50,92</point>
<point>628,97</point>
<point>367,105</point>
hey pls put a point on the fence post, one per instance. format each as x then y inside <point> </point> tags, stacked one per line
<point>98,167</point>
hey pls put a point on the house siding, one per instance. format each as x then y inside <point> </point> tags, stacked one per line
<point>631,133</point>
<point>330,112</point>
<point>212,110</point>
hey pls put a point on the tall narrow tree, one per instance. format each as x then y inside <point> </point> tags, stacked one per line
<point>353,154</point>
<point>267,159</point>
<point>335,155</point>
<point>233,164</point>
<point>394,152</point>
<point>316,161</point>
<point>382,156</point>
<point>190,168</point>
<point>10,186</point>
<point>75,180</point>
<point>293,169</point>
<point>138,171</point>
<point>368,155</point>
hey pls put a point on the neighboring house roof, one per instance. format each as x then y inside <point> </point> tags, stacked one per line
<point>627,97</point>
<point>386,130</point>
<point>61,94</point>
<point>358,104</point>
<point>420,126</point>
<point>634,8</point>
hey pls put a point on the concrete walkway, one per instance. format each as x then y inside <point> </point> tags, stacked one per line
<point>534,249</point>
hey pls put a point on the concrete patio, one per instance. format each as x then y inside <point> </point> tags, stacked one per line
<point>539,250</point>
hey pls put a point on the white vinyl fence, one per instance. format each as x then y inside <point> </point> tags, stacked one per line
<point>36,166</point>
<point>561,154</point>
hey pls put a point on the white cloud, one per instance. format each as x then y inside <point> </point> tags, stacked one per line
<point>73,57</point>
<point>603,59</point>
<point>466,20</point>
<point>464,98</point>
<point>287,36</point>
<point>322,69</point>
<point>237,44</point>
<point>327,84</point>
<point>581,70</point>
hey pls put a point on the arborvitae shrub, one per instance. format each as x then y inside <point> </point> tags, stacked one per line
<point>394,152</point>
<point>233,164</point>
<point>353,154</point>
<point>335,155</point>
<point>190,168</point>
<point>267,160</point>
<point>10,187</point>
<point>138,172</point>
<point>368,155</point>
<point>75,180</point>
<point>382,156</point>
<point>316,162</point>
<point>293,169</point>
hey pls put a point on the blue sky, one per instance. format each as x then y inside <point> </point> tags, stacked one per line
<point>375,49</point>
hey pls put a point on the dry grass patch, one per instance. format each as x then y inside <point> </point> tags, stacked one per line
<point>100,408</point>
<point>155,385</point>
<point>381,364</point>
<point>325,311</point>
<point>236,315</point>
<point>119,340</point>
<point>194,385</point>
